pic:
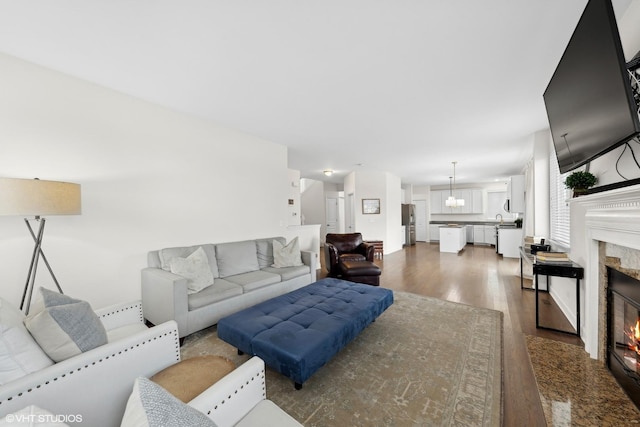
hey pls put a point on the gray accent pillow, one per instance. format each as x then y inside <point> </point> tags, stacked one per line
<point>286,256</point>
<point>66,326</point>
<point>151,405</point>
<point>237,257</point>
<point>166,255</point>
<point>196,268</point>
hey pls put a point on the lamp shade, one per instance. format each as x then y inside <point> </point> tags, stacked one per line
<point>35,197</point>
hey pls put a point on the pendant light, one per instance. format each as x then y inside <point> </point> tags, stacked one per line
<point>451,201</point>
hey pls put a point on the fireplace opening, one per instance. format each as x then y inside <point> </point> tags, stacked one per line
<point>623,331</point>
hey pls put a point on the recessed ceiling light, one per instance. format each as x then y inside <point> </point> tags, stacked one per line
<point>328,172</point>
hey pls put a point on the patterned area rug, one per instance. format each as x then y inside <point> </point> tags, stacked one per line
<point>423,362</point>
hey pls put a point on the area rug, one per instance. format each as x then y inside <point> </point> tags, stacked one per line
<point>423,362</point>
<point>576,390</point>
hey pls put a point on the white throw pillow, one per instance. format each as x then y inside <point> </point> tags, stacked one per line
<point>196,268</point>
<point>150,405</point>
<point>32,416</point>
<point>66,327</point>
<point>286,256</point>
<point>19,353</point>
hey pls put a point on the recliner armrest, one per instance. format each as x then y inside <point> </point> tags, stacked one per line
<point>332,258</point>
<point>368,250</point>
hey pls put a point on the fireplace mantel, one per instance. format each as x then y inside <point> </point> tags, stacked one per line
<point>611,217</point>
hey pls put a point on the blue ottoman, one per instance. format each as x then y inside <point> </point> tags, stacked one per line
<point>297,333</point>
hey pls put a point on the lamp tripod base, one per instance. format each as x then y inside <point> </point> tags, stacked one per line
<point>33,267</point>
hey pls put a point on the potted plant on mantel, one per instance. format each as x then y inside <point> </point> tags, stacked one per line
<point>580,181</point>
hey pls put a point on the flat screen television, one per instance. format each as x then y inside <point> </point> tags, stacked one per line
<point>589,101</point>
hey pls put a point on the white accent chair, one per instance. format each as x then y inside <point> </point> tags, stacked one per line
<point>239,399</point>
<point>96,384</point>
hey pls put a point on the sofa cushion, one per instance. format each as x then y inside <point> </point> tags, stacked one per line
<point>288,273</point>
<point>152,406</point>
<point>66,327</point>
<point>196,268</point>
<point>254,279</point>
<point>167,254</point>
<point>286,255</point>
<point>236,258</point>
<point>221,289</point>
<point>265,251</point>
<point>19,353</point>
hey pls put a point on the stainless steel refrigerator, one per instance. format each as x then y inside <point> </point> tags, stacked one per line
<point>409,222</point>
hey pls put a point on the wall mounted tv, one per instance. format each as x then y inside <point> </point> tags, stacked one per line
<point>589,101</point>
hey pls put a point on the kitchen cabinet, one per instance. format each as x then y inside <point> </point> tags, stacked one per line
<point>434,233</point>
<point>490,234</point>
<point>484,235</point>
<point>473,201</point>
<point>515,194</point>
<point>509,242</point>
<point>453,239</point>
<point>436,203</point>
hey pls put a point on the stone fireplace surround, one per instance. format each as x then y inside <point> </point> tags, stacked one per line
<point>605,229</point>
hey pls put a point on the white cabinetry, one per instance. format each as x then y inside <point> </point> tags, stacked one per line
<point>473,201</point>
<point>436,203</point>
<point>490,234</point>
<point>434,233</point>
<point>453,239</point>
<point>484,235</point>
<point>509,242</point>
<point>515,194</point>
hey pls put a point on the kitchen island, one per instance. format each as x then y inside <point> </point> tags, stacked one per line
<point>453,238</point>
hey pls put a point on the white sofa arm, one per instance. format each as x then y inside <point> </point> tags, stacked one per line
<point>95,385</point>
<point>164,297</point>
<point>230,399</point>
<point>118,315</point>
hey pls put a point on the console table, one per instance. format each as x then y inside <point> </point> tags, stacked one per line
<point>558,269</point>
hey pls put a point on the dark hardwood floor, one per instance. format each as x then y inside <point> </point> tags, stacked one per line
<point>478,276</point>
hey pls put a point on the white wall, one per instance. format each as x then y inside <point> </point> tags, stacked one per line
<point>150,177</point>
<point>541,146</point>
<point>293,190</point>
<point>385,226</point>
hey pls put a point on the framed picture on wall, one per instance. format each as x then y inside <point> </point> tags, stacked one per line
<point>370,206</point>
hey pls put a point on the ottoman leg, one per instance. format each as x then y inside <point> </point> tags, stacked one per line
<point>298,386</point>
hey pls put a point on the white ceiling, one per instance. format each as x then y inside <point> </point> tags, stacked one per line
<point>403,86</point>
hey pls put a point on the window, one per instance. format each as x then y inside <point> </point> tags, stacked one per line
<point>559,214</point>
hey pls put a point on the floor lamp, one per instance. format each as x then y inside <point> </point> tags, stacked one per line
<point>34,199</point>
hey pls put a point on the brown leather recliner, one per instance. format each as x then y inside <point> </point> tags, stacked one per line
<point>347,246</point>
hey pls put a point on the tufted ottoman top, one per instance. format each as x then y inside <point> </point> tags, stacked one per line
<point>297,333</point>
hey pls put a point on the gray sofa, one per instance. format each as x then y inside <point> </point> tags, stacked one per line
<point>242,277</point>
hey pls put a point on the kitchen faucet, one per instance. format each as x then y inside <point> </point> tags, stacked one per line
<point>499,215</point>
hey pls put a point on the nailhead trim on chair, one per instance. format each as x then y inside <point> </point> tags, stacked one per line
<point>105,358</point>
<point>137,306</point>
<point>256,375</point>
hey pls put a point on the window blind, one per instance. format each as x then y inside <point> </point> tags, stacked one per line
<point>559,214</point>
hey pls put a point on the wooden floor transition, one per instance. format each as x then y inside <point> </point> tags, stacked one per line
<point>478,276</point>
